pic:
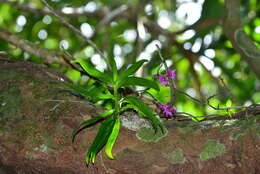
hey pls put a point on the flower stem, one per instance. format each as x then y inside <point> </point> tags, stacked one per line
<point>172,86</point>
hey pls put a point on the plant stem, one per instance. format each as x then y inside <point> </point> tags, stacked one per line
<point>116,101</point>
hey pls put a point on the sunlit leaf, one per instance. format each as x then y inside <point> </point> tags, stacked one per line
<point>105,96</point>
<point>228,103</point>
<point>112,139</point>
<point>93,71</point>
<point>138,81</point>
<point>73,75</point>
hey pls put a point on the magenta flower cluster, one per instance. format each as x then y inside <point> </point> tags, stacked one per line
<point>163,79</point>
<point>167,110</point>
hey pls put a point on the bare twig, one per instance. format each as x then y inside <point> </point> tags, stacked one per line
<point>110,16</point>
<point>251,110</point>
<point>75,30</point>
<point>208,103</point>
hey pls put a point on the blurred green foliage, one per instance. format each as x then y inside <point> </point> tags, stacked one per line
<point>224,73</point>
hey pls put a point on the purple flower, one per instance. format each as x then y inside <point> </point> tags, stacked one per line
<point>163,79</point>
<point>167,110</point>
<point>171,73</point>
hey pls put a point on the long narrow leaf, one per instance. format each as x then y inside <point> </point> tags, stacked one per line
<point>105,96</point>
<point>100,140</point>
<point>93,93</point>
<point>132,69</point>
<point>138,81</point>
<point>112,139</point>
<point>146,112</point>
<point>93,71</point>
<point>114,68</point>
<point>83,91</point>
<point>90,122</point>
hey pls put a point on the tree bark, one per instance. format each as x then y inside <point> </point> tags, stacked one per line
<point>38,114</point>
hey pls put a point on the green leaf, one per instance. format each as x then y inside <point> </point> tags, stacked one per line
<point>82,91</point>
<point>93,71</point>
<point>105,96</point>
<point>90,122</point>
<point>94,93</point>
<point>138,81</point>
<point>132,69</point>
<point>228,103</point>
<point>114,68</point>
<point>101,139</point>
<point>112,139</point>
<point>146,112</point>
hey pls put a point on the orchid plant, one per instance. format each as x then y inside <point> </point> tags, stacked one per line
<point>110,120</point>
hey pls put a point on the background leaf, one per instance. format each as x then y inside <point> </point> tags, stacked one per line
<point>138,81</point>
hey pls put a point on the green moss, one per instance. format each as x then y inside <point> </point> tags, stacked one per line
<point>186,130</point>
<point>176,156</point>
<point>7,75</point>
<point>10,101</point>
<point>148,135</point>
<point>241,127</point>
<point>212,149</point>
<point>237,134</point>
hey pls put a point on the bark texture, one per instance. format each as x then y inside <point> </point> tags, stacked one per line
<point>37,116</point>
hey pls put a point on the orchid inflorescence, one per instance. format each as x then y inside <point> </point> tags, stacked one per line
<point>171,74</point>
<point>167,109</point>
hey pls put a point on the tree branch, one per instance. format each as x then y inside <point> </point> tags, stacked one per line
<point>111,16</point>
<point>99,14</point>
<point>233,28</point>
<point>31,48</point>
<point>252,110</point>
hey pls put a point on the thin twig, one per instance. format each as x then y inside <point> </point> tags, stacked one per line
<point>75,30</point>
<point>63,101</point>
<point>31,48</point>
<point>110,16</point>
<point>208,103</point>
<point>253,109</point>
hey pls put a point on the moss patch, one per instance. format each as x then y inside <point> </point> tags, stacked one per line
<point>211,149</point>
<point>10,101</point>
<point>242,127</point>
<point>148,134</point>
<point>176,156</point>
